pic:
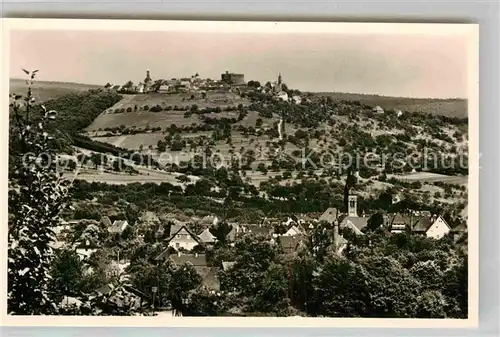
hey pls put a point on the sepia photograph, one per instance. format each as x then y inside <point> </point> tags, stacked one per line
<point>160,171</point>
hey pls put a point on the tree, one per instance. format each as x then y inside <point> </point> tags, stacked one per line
<point>37,194</point>
<point>96,158</point>
<point>258,123</point>
<point>253,256</point>
<point>375,221</point>
<point>128,85</point>
<point>221,231</point>
<point>71,165</point>
<point>161,146</point>
<point>67,274</point>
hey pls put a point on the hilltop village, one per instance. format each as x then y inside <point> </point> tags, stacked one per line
<point>229,82</point>
<point>262,231</point>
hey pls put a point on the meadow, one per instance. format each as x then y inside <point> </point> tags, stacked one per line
<point>45,90</point>
<point>451,107</point>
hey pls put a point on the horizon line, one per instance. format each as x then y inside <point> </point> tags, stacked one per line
<point>306,91</point>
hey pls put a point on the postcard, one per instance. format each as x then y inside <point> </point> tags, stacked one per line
<point>244,174</point>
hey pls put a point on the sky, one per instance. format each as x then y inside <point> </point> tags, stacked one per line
<point>390,65</point>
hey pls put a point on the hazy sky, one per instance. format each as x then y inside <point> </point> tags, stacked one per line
<point>394,65</point>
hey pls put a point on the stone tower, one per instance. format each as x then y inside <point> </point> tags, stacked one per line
<point>279,78</point>
<point>352,206</point>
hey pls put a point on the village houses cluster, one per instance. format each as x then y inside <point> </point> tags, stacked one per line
<point>198,86</point>
<point>183,245</point>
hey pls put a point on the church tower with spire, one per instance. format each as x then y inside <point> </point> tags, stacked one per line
<point>148,82</point>
<point>278,84</point>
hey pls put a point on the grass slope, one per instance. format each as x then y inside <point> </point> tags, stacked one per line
<point>452,107</point>
<point>45,90</point>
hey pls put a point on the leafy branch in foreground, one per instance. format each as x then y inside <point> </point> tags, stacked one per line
<point>37,194</point>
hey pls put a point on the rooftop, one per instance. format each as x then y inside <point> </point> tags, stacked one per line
<point>330,215</point>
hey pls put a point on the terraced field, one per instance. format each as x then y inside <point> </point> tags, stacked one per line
<point>142,119</point>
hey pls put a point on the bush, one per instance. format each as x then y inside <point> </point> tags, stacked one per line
<point>156,108</point>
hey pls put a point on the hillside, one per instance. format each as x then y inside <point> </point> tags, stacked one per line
<point>46,90</point>
<point>452,107</point>
<point>162,110</point>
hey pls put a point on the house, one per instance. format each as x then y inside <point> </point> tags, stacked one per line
<point>282,96</point>
<point>288,222</point>
<point>295,230</point>
<point>164,88</point>
<point>106,222</point>
<point>69,302</point>
<point>356,224</point>
<point>57,244</point>
<point>206,236</point>
<point>290,244</point>
<point>399,222</point>
<point>352,220</point>
<point>209,220</point>
<point>339,242</point>
<point>378,109</point>
<point>86,248</point>
<point>302,219</point>
<point>185,82</point>
<point>115,268</point>
<point>118,226</point>
<point>329,216</point>
<point>260,230</point>
<point>199,263</point>
<point>133,299</point>
<point>182,238</point>
<point>235,231</point>
<point>226,265</point>
<point>149,217</point>
<point>433,229</point>
<point>296,99</point>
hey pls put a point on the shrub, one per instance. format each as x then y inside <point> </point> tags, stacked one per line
<point>156,108</point>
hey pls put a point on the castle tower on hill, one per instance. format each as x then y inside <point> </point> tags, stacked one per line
<point>279,78</point>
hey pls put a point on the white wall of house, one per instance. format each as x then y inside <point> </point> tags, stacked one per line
<point>183,240</point>
<point>84,253</point>
<point>292,232</point>
<point>438,229</point>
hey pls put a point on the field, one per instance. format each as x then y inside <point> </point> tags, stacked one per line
<point>212,99</point>
<point>44,90</point>
<point>141,119</point>
<point>453,107</point>
<point>431,177</point>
